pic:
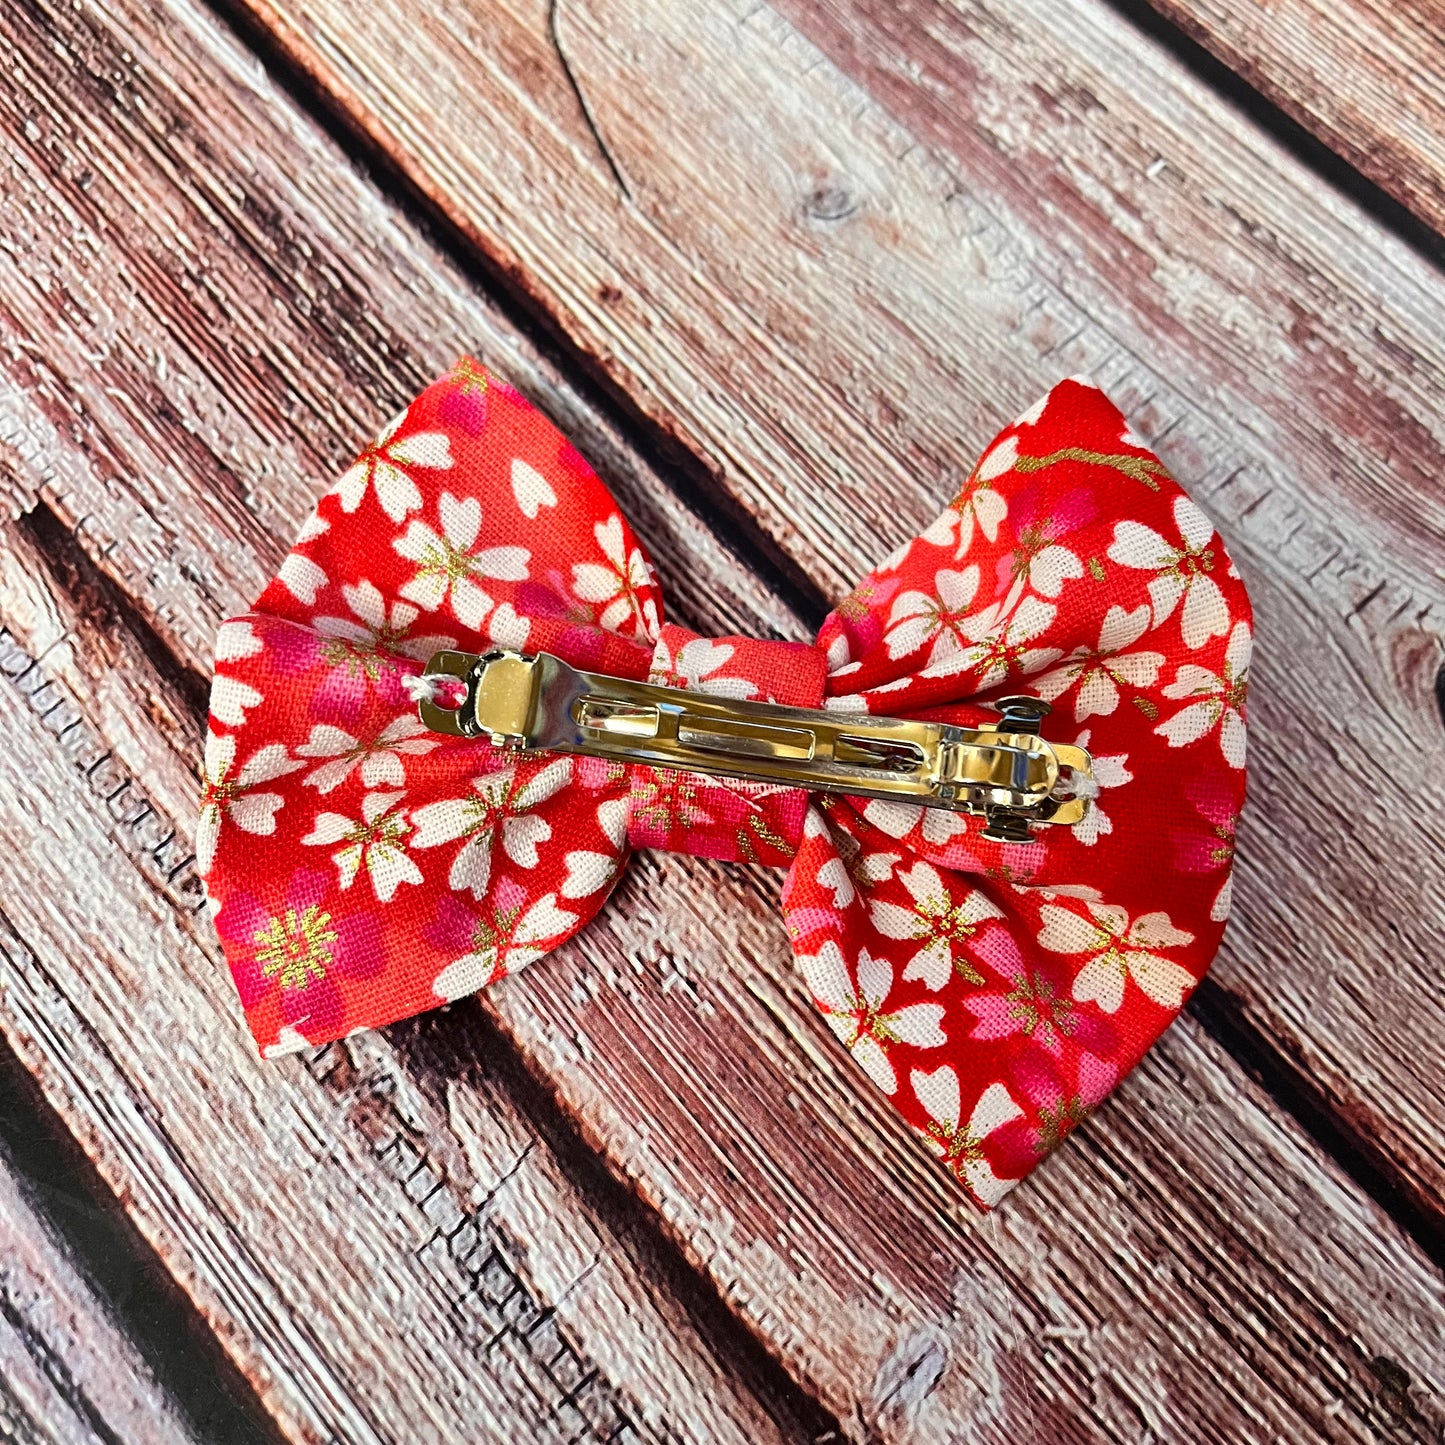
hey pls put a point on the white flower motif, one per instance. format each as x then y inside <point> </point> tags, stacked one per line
<point>694,666</point>
<point>232,795</point>
<point>231,698</point>
<point>377,841</point>
<point>979,502</point>
<point>1099,671</point>
<point>897,820</point>
<point>961,1148</point>
<point>589,871</point>
<point>616,585</point>
<point>1003,645</point>
<point>938,619</point>
<point>531,489</point>
<point>1218,702</point>
<point>383,466</point>
<point>1118,950</point>
<point>380,758</point>
<point>1110,771</point>
<point>504,943</point>
<point>373,633</point>
<point>1042,563</point>
<point>446,562</point>
<point>857,1015</point>
<point>1181,571</point>
<point>942,926</point>
<point>498,811</point>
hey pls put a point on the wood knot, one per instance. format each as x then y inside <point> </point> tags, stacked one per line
<point>829,203</point>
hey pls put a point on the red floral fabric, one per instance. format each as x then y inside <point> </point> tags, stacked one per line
<point>362,869</point>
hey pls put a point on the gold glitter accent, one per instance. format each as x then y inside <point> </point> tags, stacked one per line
<point>295,948</point>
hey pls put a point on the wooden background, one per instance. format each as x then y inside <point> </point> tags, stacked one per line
<point>780,268</point>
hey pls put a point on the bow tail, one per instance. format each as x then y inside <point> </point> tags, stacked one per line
<point>362,869</point>
<point>992,1015</point>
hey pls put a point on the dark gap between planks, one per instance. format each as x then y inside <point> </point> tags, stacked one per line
<point>1302,143</point>
<point>452,1043</point>
<point>169,1332</point>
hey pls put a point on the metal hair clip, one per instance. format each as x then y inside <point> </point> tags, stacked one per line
<point>1005,772</point>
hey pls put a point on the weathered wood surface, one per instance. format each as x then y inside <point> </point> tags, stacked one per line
<point>281,321</point>
<point>1366,76</point>
<point>832,246</point>
<point>68,1373</point>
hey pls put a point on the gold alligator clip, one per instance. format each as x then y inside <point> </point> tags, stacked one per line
<point>1005,772</point>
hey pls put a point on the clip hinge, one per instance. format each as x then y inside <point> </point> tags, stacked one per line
<point>1005,773</point>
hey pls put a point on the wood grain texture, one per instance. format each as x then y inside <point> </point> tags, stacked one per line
<point>1367,77</point>
<point>848,241</point>
<point>674,1034</point>
<point>68,1374</point>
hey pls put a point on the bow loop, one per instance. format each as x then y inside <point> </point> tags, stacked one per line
<point>362,868</point>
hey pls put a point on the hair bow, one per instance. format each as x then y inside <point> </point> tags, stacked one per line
<point>994,980</point>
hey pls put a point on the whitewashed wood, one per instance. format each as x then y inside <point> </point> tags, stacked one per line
<point>1366,76</point>
<point>850,240</point>
<point>68,1374</point>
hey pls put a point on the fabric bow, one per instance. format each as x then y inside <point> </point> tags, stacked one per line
<point>362,869</point>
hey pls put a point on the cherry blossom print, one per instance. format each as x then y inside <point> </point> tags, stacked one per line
<point>1183,571</point>
<point>1039,561</point>
<point>1117,950</point>
<point>1029,999</point>
<point>979,504</point>
<point>231,698</point>
<point>1062,1089</point>
<point>499,812</point>
<point>590,870</point>
<point>620,586</point>
<point>296,953</point>
<point>933,919</point>
<point>1209,848</point>
<point>1004,647</point>
<point>1215,702</point>
<point>303,577</point>
<point>508,935</point>
<point>938,620</point>
<point>1099,672</point>
<point>962,1147</point>
<point>376,842</point>
<point>385,467</point>
<point>361,869</point>
<point>531,489</point>
<point>1110,770</point>
<point>369,641</point>
<point>697,665</point>
<point>380,758</point>
<point>234,794</point>
<point>859,1016</point>
<point>447,565</point>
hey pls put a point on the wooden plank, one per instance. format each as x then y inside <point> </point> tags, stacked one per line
<point>675,1033</point>
<point>1367,77</point>
<point>837,1238</point>
<point>847,240</point>
<point>68,1373</point>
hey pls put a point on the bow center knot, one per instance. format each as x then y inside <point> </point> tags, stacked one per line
<point>721,817</point>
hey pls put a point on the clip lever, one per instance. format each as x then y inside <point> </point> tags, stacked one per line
<point>1006,773</point>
